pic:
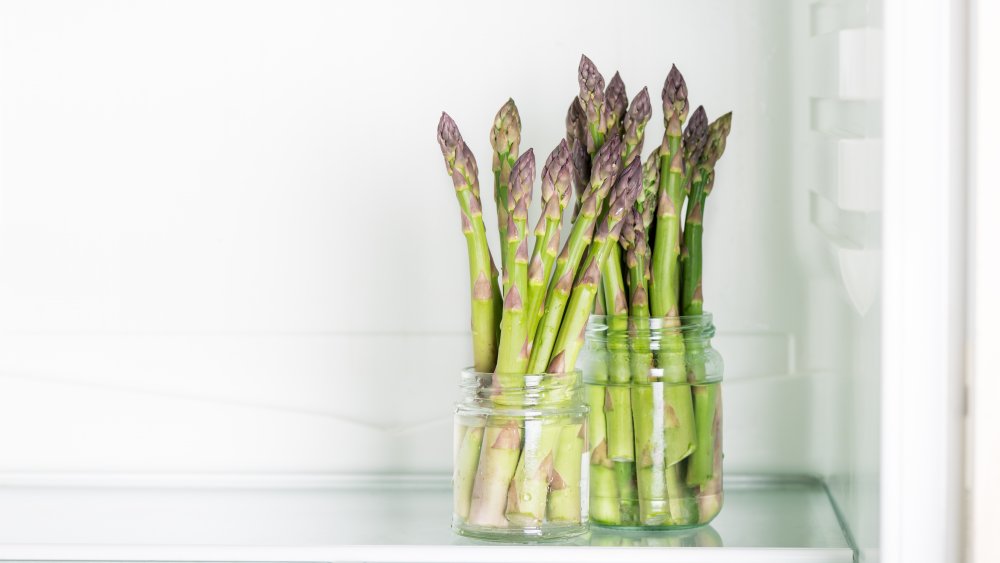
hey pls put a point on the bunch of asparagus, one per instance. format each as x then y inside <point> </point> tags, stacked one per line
<point>532,321</point>
<point>659,461</point>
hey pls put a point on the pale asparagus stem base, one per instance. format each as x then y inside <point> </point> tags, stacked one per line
<point>528,489</point>
<point>604,503</point>
<point>679,423</point>
<point>700,463</point>
<point>618,400</point>
<point>648,423</point>
<point>683,510</point>
<point>628,493</point>
<point>603,489</point>
<point>564,496</point>
<point>470,440</point>
<point>501,450</point>
<point>647,403</point>
<point>710,494</point>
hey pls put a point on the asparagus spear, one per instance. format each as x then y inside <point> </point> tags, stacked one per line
<point>616,101</point>
<point>647,407</point>
<point>617,401</point>
<point>619,397</point>
<point>695,139</point>
<point>666,249</point>
<point>680,430</point>
<point>593,103</point>
<point>513,353</point>
<point>505,136</point>
<point>571,332</point>
<point>604,504</point>
<point>646,204</point>
<point>581,173</point>
<point>527,497</point>
<point>596,109</point>
<point>461,166</point>
<point>556,178</point>
<point>701,467</point>
<point>502,438</point>
<point>576,138</point>
<point>605,172</point>
<point>634,126</point>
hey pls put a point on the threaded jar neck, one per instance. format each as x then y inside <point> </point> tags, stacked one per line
<point>656,331</point>
<point>537,391</point>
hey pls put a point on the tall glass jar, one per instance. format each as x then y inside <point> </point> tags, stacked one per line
<point>520,456</point>
<point>654,390</point>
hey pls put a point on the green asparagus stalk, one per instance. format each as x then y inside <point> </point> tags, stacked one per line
<point>502,439</point>
<point>666,280</point>
<point>666,249</point>
<point>597,110</point>
<point>618,400</point>
<point>647,411</point>
<point>616,101</point>
<point>563,504</point>
<point>593,103</point>
<point>634,126</point>
<point>619,397</point>
<point>570,339</point>
<point>701,465</point>
<point>505,137</point>
<point>680,424</point>
<point>526,503</point>
<point>512,358</point>
<point>605,173</point>
<point>604,504</point>
<point>461,166</point>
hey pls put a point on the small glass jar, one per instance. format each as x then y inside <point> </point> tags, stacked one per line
<point>654,390</point>
<point>520,456</point>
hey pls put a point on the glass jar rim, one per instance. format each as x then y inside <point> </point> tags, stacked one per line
<point>555,392</point>
<point>472,379</point>
<point>671,323</point>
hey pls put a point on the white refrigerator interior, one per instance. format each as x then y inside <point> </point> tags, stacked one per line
<point>233,291</point>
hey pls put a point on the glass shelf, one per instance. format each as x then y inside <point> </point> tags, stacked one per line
<point>377,519</point>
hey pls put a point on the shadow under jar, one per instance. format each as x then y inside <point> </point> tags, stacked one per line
<point>520,456</point>
<point>655,450</point>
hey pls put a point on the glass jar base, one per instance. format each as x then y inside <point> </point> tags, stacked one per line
<point>546,533</point>
<point>697,511</point>
<point>650,528</point>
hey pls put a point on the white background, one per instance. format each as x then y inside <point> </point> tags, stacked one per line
<point>228,243</point>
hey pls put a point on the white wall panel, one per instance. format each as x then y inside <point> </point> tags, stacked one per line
<point>227,241</point>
